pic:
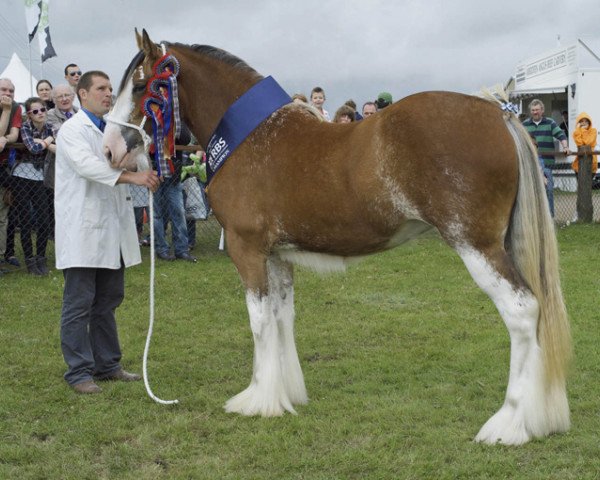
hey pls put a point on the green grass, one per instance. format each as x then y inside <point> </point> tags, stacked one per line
<point>404,360</point>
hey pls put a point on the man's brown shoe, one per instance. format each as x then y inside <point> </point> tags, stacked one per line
<point>121,375</point>
<point>87,387</point>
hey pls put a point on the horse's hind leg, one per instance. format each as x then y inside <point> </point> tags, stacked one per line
<point>524,413</point>
<point>267,394</point>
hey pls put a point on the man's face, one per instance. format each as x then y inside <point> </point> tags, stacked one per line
<point>98,99</point>
<point>73,75</point>
<point>7,89</point>
<point>63,98</point>
<point>536,112</point>
<point>369,110</point>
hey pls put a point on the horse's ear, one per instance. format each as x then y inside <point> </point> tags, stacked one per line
<point>148,45</point>
<point>138,39</point>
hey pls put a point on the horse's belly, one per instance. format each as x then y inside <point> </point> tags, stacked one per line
<point>326,263</point>
<point>408,230</point>
<point>319,262</point>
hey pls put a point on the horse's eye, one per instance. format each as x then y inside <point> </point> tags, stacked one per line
<point>139,88</point>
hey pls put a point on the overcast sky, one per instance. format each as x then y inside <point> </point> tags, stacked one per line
<point>351,48</point>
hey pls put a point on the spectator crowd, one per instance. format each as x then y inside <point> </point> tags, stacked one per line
<point>27,175</point>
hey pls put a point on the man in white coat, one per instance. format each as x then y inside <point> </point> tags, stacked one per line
<point>95,239</point>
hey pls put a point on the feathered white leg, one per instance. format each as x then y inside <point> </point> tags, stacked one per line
<point>277,381</point>
<point>529,409</point>
<point>281,282</point>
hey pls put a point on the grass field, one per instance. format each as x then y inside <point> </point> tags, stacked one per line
<point>404,360</point>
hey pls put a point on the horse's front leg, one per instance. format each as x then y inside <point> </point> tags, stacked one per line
<point>266,395</point>
<point>281,287</point>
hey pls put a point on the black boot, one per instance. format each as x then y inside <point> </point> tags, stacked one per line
<point>32,266</point>
<point>41,265</point>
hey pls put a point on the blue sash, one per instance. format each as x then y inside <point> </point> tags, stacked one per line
<point>240,120</point>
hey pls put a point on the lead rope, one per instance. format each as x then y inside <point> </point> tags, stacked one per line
<point>151,300</point>
<point>147,141</point>
<point>151,321</point>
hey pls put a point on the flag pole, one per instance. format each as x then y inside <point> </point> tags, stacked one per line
<point>30,75</point>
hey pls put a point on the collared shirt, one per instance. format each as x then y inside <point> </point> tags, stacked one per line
<point>98,121</point>
<point>545,131</point>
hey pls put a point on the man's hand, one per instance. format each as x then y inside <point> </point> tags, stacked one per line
<point>6,102</point>
<point>146,178</point>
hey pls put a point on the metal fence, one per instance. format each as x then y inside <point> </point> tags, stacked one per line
<point>30,214</point>
<point>576,195</point>
<point>30,219</point>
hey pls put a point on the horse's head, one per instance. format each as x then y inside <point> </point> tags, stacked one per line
<point>127,136</point>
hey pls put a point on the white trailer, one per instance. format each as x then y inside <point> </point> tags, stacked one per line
<point>565,78</point>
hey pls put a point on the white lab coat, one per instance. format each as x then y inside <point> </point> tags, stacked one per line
<point>95,224</point>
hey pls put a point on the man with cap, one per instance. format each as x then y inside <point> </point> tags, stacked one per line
<point>383,100</point>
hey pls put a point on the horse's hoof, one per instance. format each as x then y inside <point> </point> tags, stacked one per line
<point>251,402</point>
<point>504,427</point>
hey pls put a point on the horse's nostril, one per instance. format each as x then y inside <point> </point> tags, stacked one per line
<point>108,154</point>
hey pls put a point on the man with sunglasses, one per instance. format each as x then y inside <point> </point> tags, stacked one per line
<point>72,75</point>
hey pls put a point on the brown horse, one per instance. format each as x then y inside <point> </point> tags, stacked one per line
<point>300,190</point>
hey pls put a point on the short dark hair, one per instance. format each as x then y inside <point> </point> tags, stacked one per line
<point>317,90</point>
<point>369,103</point>
<point>31,100</point>
<point>69,66</point>
<point>43,81</point>
<point>87,79</point>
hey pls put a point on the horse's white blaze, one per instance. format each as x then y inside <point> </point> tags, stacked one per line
<point>528,410</point>
<point>113,138</point>
<point>277,380</point>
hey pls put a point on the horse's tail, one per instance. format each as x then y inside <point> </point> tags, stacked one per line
<point>531,242</point>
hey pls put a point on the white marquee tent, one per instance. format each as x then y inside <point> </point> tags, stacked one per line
<point>19,74</point>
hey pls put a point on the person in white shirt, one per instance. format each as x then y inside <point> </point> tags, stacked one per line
<point>95,239</point>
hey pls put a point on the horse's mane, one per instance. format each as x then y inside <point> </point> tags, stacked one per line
<point>307,108</point>
<point>205,50</point>
<point>129,70</point>
<point>220,55</point>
